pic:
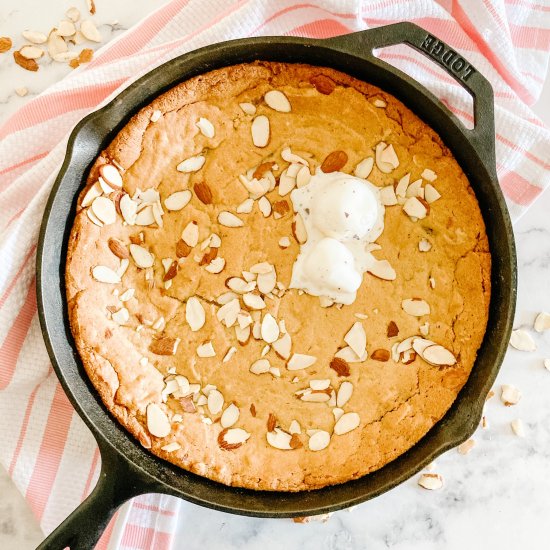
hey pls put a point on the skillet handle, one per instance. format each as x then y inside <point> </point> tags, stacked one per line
<point>117,483</point>
<point>482,136</point>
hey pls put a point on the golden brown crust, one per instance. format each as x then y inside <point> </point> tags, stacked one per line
<point>397,403</point>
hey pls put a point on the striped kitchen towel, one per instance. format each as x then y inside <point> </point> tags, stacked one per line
<point>46,448</point>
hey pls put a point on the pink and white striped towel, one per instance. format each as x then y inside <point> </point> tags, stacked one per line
<point>46,448</point>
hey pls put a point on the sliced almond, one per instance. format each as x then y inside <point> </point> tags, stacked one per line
<point>227,314</point>
<point>157,421</point>
<point>195,314</point>
<point>300,361</point>
<point>356,338</point>
<point>90,32</point>
<point>517,427</point>
<point>236,284</point>
<point>299,229</point>
<point>216,265</point>
<point>253,301</point>
<point>431,482</point>
<point>265,206</point>
<point>303,177</point>
<point>283,346</point>
<point>415,189</point>
<point>466,447</point>
<point>260,131</point>
<point>386,158</point>
<point>191,164</point>
<point>402,185</point>
<point>164,346</point>
<point>344,393</point>
<point>248,108</point>
<point>340,366</point>
<point>230,416</point>
<point>279,439</point>
<point>31,52</point>
<point>380,103</point>
<point>128,207</point>
<point>521,340</point>
<point>334,162</point>
<point>35,37</point>
<point>155,115</point>
<point>128,295</point>
<point>364,168</point>
<point>203,192</point>
<point>424,245</point>
<point>381,269</point>
<point>431,194</point>
<point>215,402</point>
<point>206,127</point>
<point>388,196</point>
<point>278,101</point>
<point>66,28</point>
<point>284,242</point>
<point>142,257</point>
<point>346,423</point>
<point>104,274</point>
<point>428,175</point>
<point>145,216</point>
<point>266,282</point>
<point>242,334</point>
<point>269,329</point>
<point>415,208</point>
<point>510,395</point>
<point>104,209</point>
<point>261,366</point>
<point>415,307</point>
<point>56,44</point>
<point>438,355</point>
<point>319,441</point>
<point>190,234</point>
<point>542,322</point>
<point>232,438</point>
<point>206,350</point>
<point>229,219</point>
<point>118,248</point>
<point>178,200</point>
<point>348,355</point>
<point>286,183</point>
<point>245,207</point>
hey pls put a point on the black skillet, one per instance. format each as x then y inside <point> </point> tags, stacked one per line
<point>127,468</point>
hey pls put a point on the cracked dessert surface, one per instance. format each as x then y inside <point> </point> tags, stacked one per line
<point>397,403</point>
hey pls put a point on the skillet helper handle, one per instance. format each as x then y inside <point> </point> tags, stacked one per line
<point>482,136</point>
<point>83,528</point>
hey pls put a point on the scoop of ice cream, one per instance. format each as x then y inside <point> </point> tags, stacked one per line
<point>330,268</point>
<point>345,209</point>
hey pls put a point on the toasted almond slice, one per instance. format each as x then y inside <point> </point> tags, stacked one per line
<point>542,322</point>
<point>206,350</point>
<point>517,427</point>
<point>294,427</point>
<point>206,127</point>
<point>319,441</point>
<point>300,361</point>
<point>279,439</point>
<point>289,156</point>
<point>424,245</point>
<point>386,158</point>
<point>278,101</point>
<point>347,354</point>
<point>261,366</point>
<point>128,295</point>
<point>227,314</point>
<point>381,269</point>
<point>248,108</point>
<point>466,447</point>
<point>142,257</point>
<point>319,384</point>
<point>387,196</point>
<point>164,346</point>
<point>269,329</point>
<point>299,229</point>
<point>344,393</point>
<point>314,396</point>
<point>191,164</point>
<point>414,208</point>
<point>215,402</point>
<point>346,423</point>
<point>364,168</point>
<point>104,274</point>
<point>415,307</point>
<point>429,175</point>
<point>104,209</point>
<point>260,131</point>
<point>245,207</point>
<point>415,189</point>
<point>261,268</point>
<point>431,482</point>
<point>284,242</point>
<point>265,206</point>
<point>111,175</point>
<point>249,276</point>
<point>232,438</point>
<point>157,421</point>
<point>510,395</point>
<point>431,194</point>
<point>171,447</point>
<point>230,416</point>
<point>56,44</point>
<point>178,200</point>
<point>228,219</point>
<point>236,284</point>
<point>226,297</point>
<point>35,37</point>
<point>438,355</point>
<point>121,317</point>
<point>286,183</point>
<point>242,334</point>
<point>124,263</point>
<point>283,346</point>
<point>402,185</point>
<point>380,103</point>
<point>89,30</point>
<point>253,301</point>
<point>93,192</point>
<point>66,28</point>
<point>145,216</point>
<point>155,115</point>
<point>420,344</point>
<point>521,340</point>
<point>266,282</point>
<point>229,355</point>
<point>356,338</point>
<point>31,52</point>
<point>216,265</point>
<point>195,314</point>
<point>303,177</point>
<point>128,207</point>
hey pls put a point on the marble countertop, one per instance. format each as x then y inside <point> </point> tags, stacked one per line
<point>496,497</point>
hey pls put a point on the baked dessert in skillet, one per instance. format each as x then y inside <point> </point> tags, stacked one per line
<point>278,277</point>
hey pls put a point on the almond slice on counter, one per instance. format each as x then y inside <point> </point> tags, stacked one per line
<point>191,164</point>
<point>195,314</point>
<point>510,395</point>
<point>542,322</point>
<point>386,157</point>
<point>346,423</point>
<point>31,52</point>
<point>282,346</point>
<point>90,32</point>
<point>229,219</point>
<point>232,438</point>
<point>142,257</point>
<point>164,346</point>
<point>415,307</point>
<point>521,340</point>
<point>206,127</point>
<point>431,482</point>
<point>178,200</point>
<point>364,168</point>
<point>35,37</point>
<point>261,366</point>
<point>356,338</point>
<point>230,416</point>
<point>278,101</point>
<point>157,421</point>
<point>319,440</point>
<point>260,131</point>
<point>56,44</point>
<point>248,108</point>
<point>344,393</point>
<point>517,427</point>
<point>206,350</point>
<point>104,274</point>
<point>334,162</point>
<point>300,361</point>
<point>466,447</point>
<point>279,439</point>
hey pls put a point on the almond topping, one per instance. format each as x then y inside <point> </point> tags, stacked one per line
<point>388,196</point>
<point>230,416</point>
<point>428,175</point>
<point>386,158</point>
<point>277,101</point>
<point>206,350</point>
<point>171,272</point>
<point>118,248</point>
<point>229,219</point>
<point>431,194</point>
<point>260,131</point>
<point>344,393</point>
<point>438,355</point>
<point>142,257</point>
<point>382,355</point>
<point>415,307</point>
<point>381,269</point>
<point>271,422</point>
<point>194,314</point>
<point>164,346</point>
<point>157,421</point>
<point>191,164</point>
<point>269,329</point>
<point>279,439</point>
<point>215,402</point>
<point>340,366</point>
<point>466,447</point>
<point>253,301</point>
<point>248,108</point>
<point>347,354</point>
<point>522,341</point>
<point>178,200</point>
<point>323,84</point>
<point>209,256</point>
<point>300,361</point>
<point>216,265</point>
<point>183,249</point>
<point>105,274</point>
<point>346,423</point>
<point>299,229</point>
<point>261,366</point>
<point>104,209</point>
<point>190,234</point>
<point>203,192</point>
<point>334,162</point>
<point>414,208</point>
<point>283,346</point>
<point>393,329</point>
<point>206,127</point>
<point>356,338</point>
<point>364,168</point>
<point>232,438</point>
<point>319,441</point>
<point>227,314</point>
<point>284,242</point>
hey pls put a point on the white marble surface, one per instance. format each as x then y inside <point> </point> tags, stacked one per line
<point>497,497</point>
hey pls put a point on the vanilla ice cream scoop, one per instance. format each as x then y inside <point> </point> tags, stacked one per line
<point>345,209</point>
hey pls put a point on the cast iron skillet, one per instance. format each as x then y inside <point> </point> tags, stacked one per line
<point>127,468</point>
